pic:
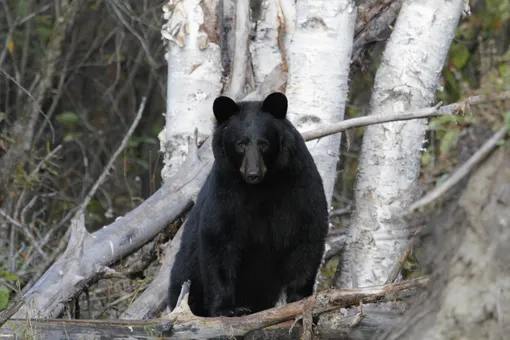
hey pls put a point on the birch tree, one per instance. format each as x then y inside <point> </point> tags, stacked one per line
<point>318,55</point>
<point>194,75</point>
<point>390,159</point>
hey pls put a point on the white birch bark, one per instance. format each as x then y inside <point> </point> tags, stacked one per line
<point>390,159</point>
<point>264,49</point>
<point>194,76</point>
<point>318,56</point>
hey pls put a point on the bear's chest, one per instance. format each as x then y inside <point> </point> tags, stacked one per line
<point>268,222</point>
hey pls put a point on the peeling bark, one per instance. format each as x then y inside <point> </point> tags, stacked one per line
<point>318,56</point>
<point>265,49</point>
<point>390,159</point>
<point>194,75</point>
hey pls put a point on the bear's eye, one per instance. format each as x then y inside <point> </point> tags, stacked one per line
<point>263,146</point>
<point>240,146</point>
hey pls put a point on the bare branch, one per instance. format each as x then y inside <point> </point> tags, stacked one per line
<point>181,324</point>
<point>461,172</point>
<point>397,267</point>
<point>117,152</point>
<point>24,127</point>
<point>146,48</point>
<point>26,231</point>
<point>414,114</point>
<point>154,298</point>
<point>118,239</point>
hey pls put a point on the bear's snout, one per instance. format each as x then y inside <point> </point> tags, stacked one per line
<point>254,177</point>
<point>253,168</point>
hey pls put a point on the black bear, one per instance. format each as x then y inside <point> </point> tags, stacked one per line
<point>260,221</point>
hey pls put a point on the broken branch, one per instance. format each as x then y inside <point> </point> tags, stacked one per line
<point>461,172</point>
<point>184,325</point>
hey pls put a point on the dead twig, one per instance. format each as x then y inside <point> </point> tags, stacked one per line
<point>308,319</point>
<point>397,267</point>
<point>6,315</point>
<point>461,172</point>
<point>26,231</point>
<point>117,152</point>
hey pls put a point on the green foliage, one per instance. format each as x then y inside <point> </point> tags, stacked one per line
<point>21,9</point>
<point>446,132</point>
<point>134,142</point>
<point>504,72</point>
<point>156,128</point>
<point>444,123</point>
<point>459,55</point>
<point>4,297</point>
<point>499,9</point>
<point>44,27</point>
<point>68,118</point>
<point>95,212</point>
<point>472,48</point>
<point>5,291</point>
<point>506,116</point>
<point>448,140</point>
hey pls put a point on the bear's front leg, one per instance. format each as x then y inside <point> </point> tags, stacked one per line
<point>219,265</point>
<point>300,270</point>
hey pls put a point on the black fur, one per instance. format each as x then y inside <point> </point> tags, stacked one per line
<point>248,238</point>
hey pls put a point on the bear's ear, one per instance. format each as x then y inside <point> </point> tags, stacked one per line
<point>224,108</point>
<point>276,104</point>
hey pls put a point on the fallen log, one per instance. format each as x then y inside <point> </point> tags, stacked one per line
<point>182,324</point>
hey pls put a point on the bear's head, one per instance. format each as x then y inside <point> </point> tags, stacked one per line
<point>249,137</point>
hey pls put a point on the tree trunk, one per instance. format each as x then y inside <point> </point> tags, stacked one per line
<point>194,76</point>
<point>390,160</point>
<point>318,56</point>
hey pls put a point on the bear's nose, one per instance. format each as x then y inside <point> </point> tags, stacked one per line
<point>253,177</point>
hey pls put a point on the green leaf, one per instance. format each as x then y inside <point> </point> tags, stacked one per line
<point>68,118</point>
<point>448,141</point>
<point>460,55</point>
<point>94,207</point>
<point>21,9</point>
<point>8,276</point>
<point>439,123</point>
<point>506,116</point>
<point>504,70</point>
<point>4,297</point>
<point>136,141</point>
<point>426,158</point>
<point>156,128</point>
